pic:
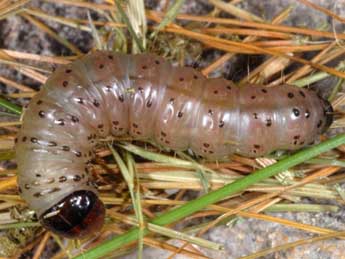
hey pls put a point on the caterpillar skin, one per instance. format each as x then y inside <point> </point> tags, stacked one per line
<point>142,95</point>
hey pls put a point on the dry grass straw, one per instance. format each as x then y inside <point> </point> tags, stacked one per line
<point>147,181</point>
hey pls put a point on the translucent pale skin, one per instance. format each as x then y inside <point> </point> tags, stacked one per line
<point>144,96</point>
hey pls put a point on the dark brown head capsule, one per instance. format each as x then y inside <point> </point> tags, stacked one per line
<point>78,215</point>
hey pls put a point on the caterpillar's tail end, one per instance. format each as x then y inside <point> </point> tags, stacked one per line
<point>329,112</point>
<point>76,216</point>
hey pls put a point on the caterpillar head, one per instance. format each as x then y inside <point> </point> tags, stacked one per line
<point>78,215</point>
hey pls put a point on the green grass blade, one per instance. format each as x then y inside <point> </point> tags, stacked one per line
<point>10,106</point>
<point>301,208</point>
<point>165,159</point>
<point>215,196</point>
<point>136,200</point>
<point>327,162</point>
<point>129,26</point>
<point>128,171</point>
<point>20,225</point>
<point>169,17</point>
<point>94,33</point>
<point>7,155</point>
<point>315,77</point>
<point>123,168</point>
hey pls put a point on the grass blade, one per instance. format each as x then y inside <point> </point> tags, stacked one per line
<point>169,17</point>
<point>10,106</point>
<point>129,26</point>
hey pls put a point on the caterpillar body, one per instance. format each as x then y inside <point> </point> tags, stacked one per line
<point>145,97</point>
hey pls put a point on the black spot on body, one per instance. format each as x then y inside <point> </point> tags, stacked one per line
<point>101,66</point>
<point>77,178</point>
<point>24,139</point>
<point>210,112</point>
<point>181,79</point>
<point>68,71</point>
<point>296,112</point>
<point>221,124</point>
<point>39,102</point>
<point>179,114</point>
<point>319,124</point>
<point>52,144</point>
<point>60,122</point>
<point>291,95</point>
<point>80,100</point>
<point>34,140</point>
<point>74,119</point>
<point>149,103</point>
<point>302,93</point>
<point>206,145</point>
<point>157,62</point>
<point>256,146</point>
<point>253,97</point>
<point>264,91</point>
<point>37,194</point>
<point>121,98</point>
<point>307,114</point>
<point>268,122</point>
<point>110,57</point>
<point>41,114</point>
<point>65,83</point>
<point>215,91</point>
<point>96,103</point>
<point>255,115</point>
<point>66,148</point>
<point>62,179</point>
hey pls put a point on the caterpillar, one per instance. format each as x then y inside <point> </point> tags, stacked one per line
<point>144,96</point>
